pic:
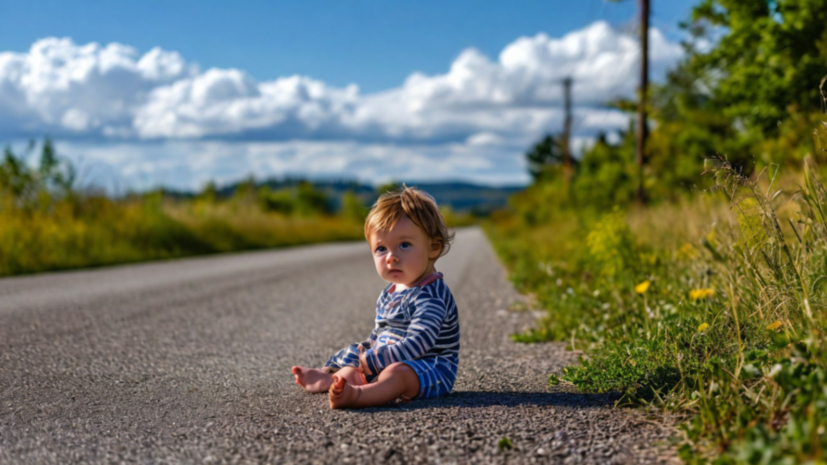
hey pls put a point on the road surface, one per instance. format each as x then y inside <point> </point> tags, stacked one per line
<point>188,361</point>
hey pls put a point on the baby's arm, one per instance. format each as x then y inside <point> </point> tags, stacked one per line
<point>349,356</point>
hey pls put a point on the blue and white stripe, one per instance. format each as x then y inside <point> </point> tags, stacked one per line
<point>418,326</point>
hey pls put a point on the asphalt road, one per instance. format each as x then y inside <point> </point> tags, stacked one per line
<point>188,361</point>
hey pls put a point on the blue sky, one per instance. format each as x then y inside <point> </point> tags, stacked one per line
<point>375,44</point>
<point>398,54</point>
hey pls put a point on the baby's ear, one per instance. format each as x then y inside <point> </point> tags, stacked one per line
<point>435,247</point>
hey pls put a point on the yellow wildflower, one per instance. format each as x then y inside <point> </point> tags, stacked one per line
<point>687,251</point>
<point>773,326</point>
<point>642,287</point>
<point>703,327</point>
<point>697,294</point>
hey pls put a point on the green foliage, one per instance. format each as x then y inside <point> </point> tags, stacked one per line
<point>728,330</point>
<point>753,95</point>
<point>303,200</point>
<point>504,444</point>
<point>280,201</point>
<point>311,201</point>
<point>611,245</point>
<point>610,166</point>
<point>388,187</point>
<point>641,371</point>
<point>46,224</point>
<point>769,59</point>
<point>353,208</point>
<point>210,193</point>
<point>543,156</point>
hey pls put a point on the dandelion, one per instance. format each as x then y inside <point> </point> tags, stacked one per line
<point>697,294</point>
<point>642,287</point>
<point>775,325</point>
<point>703,327</point>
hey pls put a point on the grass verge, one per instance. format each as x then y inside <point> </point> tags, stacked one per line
<point>712,308</point>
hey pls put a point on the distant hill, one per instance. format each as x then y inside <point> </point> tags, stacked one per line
<point>464,197</point>
<point>461,196</point>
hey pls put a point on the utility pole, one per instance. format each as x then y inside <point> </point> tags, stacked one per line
<point>567,164</point>
<point>641,106</point>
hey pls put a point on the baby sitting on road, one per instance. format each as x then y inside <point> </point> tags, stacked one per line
<point>413,350</point>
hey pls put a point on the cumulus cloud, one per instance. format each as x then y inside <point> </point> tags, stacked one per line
<point>90,90</point>
<point>162,117</point>
<point>113,92</point>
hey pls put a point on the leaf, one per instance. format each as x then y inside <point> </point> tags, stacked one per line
<point>504,444</point>
<point>775,195</point>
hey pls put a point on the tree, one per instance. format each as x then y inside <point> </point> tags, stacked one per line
<point>543,155</point>
<point>209,192</point>
<point>607,174</point>
<point>352,207</point>
<point>311,201</point>
<point>388,187</point>
<point>54,177</point>
<point>763,71</point>
<point>245,191</point>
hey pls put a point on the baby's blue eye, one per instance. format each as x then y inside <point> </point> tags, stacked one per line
<point>406,243</point>
<point>378,249</point>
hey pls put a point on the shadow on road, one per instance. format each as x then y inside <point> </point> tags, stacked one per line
<point>472,399</point>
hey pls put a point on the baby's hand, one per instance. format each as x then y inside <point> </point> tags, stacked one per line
<point>363,362</point>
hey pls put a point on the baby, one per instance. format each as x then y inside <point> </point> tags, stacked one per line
<point>413,350</point>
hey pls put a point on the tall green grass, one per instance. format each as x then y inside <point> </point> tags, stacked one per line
<point>94,230</point>
<point>712,308</point>
<point>48,224</point>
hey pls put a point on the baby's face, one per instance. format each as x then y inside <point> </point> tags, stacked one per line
<point>402,255</point>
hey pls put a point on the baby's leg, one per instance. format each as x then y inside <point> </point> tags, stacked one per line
<point>395,381</point>
<point>313,380</point>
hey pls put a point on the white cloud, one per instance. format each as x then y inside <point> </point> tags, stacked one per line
<point>480,109</point>
<point>61,87</point>
<point>188,165</point>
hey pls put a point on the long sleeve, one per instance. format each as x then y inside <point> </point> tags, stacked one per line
<point>349,356</point>
<point>428,313</point>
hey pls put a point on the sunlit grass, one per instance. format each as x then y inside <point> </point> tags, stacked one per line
<point>95,231</point>
<point>712,307</point>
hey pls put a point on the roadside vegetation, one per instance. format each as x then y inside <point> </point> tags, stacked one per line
<point>47,223</point>
<point>711,308</point>
<point>708,301</point>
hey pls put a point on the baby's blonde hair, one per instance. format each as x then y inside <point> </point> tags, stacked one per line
<point>420,207</point>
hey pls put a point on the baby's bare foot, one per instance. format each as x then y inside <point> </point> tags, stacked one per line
<point>342,394</point>
<point>311,379</point>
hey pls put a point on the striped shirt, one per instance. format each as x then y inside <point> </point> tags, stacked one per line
<point>420,322</point>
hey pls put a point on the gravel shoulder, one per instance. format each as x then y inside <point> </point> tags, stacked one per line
<point>189,362</point>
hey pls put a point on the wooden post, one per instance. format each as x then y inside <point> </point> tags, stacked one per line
<point>641,107</point>
<point>567,162</point>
